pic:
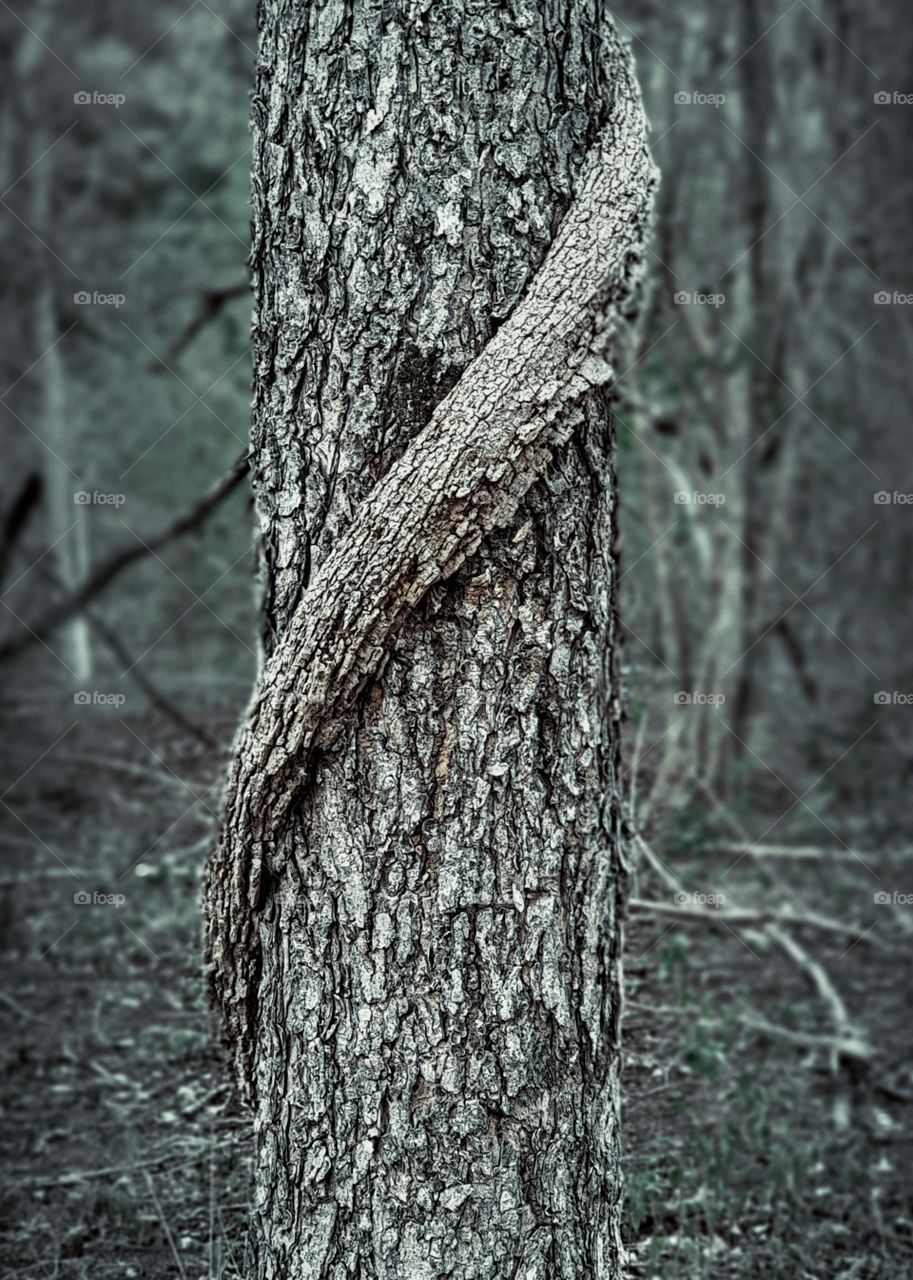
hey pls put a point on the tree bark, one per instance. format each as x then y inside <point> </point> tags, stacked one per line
<point>414,913</point>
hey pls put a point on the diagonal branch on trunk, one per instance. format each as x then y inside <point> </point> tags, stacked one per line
<point>463,476</point>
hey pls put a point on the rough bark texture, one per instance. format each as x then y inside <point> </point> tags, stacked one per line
<point>413,915</point>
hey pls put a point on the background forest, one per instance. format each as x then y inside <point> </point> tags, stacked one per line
<point>766,536</point>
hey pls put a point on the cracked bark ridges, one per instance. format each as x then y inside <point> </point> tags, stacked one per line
<point>418,860</point>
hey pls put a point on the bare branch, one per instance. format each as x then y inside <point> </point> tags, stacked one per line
<point>101,577</point>
<point>16,519</point>
<point>851,1040</point>
<point>149,688</point>
<point>734,916</point>
<point>210,307</point>
<point>792,852</point>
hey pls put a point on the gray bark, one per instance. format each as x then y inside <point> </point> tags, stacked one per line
<point>413,916</point>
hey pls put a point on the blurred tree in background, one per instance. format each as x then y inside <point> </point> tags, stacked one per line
<point>125,194</point>
<point>763,419</point>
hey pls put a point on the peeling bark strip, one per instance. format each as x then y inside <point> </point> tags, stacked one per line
<point>411,918</point>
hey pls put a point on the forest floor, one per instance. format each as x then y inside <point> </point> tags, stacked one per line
<point>750,1153</point>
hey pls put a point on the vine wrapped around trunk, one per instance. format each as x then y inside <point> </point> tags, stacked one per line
<point>463,476</point>
<point>355,588</point>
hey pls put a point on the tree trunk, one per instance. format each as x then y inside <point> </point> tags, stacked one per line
<point>67,525</point>
<point>751,319</point>
<point>67,531</point>
<point>413,917</point>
